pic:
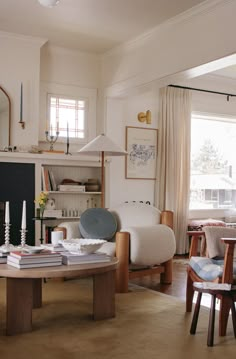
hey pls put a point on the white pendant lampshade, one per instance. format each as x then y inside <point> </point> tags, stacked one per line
<point>49,3</point>
<point>105,146</point>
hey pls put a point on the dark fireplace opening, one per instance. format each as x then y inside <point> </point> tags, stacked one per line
<point>17,183</point>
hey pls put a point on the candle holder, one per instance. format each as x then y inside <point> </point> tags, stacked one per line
<point>67,149</point>
<point>51,139</point>
<point>23,238</point>
<point>7,247</point>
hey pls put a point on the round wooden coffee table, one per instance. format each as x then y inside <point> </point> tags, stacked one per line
<point>24,290</point>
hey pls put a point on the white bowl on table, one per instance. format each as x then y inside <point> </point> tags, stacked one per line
<point>83,245</point>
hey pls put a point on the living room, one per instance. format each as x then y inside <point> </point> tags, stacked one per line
<point>122,82</point>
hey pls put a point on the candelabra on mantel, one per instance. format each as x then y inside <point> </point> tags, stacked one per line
<point>51,139</point>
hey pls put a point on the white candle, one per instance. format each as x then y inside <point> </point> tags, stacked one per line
<point>23,222</point>
<point>7,214</point>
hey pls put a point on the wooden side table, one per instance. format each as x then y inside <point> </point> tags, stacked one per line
<point>218,290</point>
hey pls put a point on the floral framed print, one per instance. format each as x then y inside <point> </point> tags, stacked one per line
<point>141,145</point>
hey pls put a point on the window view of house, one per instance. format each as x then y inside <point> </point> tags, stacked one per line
<point>213,162</point>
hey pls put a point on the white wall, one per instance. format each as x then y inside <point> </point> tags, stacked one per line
<point>20,62</point>
<point>122,113</point>
<point>69,67</point>
<point>69,73</point>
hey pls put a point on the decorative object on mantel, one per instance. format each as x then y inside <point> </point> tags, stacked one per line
<point>102,145</point>
<point>68,141</point>
<point>145,117</point>
<point>21,107</point>
<point>49,3</point>
<point>51,139</point>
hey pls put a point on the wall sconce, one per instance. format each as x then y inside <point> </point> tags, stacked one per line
<point>145,117</point>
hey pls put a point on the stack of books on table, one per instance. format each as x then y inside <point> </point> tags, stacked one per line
<point>71,258</point>
<point>3,257</point>
<point>45,258</point>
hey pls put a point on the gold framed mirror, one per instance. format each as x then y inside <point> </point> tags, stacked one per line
<point>5,119</point>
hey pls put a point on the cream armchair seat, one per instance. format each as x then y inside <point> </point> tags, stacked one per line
<point>144,240</point>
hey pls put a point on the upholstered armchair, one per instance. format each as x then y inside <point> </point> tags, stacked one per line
<point>144,242</point>
<point>217,266</point>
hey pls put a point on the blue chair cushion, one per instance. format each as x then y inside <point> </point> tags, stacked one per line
<point>97,223</point>
<point>208,269</point>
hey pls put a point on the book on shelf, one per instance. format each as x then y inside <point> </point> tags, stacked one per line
<point>70,258</point>
<point>45,179</point>
<point>71,188</point>
<point>52,180</point>
<point>52,213</point>
<point>33,265</point>
<point>48,231</point>
<point>55,259</point>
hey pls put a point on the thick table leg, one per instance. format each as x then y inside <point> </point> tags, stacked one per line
<point>104,295</point>
<point>37,293</point>
<point>19,305</point>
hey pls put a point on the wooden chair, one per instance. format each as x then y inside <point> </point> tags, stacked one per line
<point>226,238</point>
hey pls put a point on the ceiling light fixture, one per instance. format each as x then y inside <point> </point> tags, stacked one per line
<point>49,3</point>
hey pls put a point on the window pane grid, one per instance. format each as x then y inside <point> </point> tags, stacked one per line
<point>213,163</point>
<point>67,116</point>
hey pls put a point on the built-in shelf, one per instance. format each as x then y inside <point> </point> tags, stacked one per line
<point>73,192</point>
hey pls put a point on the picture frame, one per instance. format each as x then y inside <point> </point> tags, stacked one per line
<point>141,145</point>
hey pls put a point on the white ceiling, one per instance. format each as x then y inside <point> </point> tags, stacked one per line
<point>228,72</point>
<point>89,25</point>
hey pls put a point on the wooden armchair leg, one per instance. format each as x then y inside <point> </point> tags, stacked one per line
<point>189,293</point>
<point>166,276</point>
<point>225,305</point>
<point>122,254</point>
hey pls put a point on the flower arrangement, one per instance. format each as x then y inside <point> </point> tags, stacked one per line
<point>41,200</point>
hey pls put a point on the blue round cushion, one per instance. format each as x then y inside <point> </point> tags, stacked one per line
<point>97,223</point>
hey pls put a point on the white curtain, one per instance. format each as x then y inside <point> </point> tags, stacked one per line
<point>173,160</point>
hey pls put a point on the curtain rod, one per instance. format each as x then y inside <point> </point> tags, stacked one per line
<point>209,91</point>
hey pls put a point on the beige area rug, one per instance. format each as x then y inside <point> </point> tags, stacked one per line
<point>147,325</point>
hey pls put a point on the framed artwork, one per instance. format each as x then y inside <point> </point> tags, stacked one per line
<point>141,145</point>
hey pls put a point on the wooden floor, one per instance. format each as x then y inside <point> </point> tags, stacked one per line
<point>178,286</point>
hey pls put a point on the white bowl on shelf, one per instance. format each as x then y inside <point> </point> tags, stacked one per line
<point>83,245</point>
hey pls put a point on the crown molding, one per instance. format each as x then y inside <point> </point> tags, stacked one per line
<point>30,39</point>
<point>186,16</point>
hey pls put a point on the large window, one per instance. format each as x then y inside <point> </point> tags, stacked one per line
<point>213,162</point>
<point>67,116</point>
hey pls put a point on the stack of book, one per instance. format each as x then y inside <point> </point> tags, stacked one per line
<point>52,213</point>
<point>70,258</point>
<point>3,257</point>
<point>45,258</point>
<point>71,188</point>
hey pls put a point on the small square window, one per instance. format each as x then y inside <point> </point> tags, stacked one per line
<point>67,116</point>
